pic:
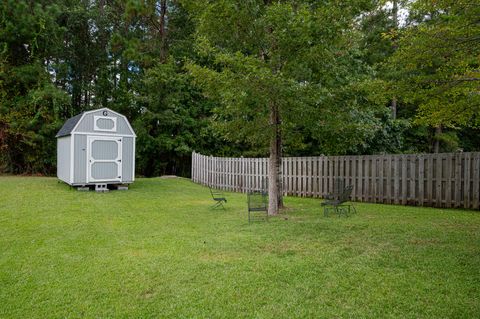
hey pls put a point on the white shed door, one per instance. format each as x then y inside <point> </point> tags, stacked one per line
<point>104,159</point>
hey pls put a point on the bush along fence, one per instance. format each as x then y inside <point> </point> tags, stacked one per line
<point>439,180</point>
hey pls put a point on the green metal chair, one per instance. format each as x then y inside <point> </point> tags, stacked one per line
<point>257,205</point>
<point>218,197</point>
<point>339,204</point>
<point>338,187</point>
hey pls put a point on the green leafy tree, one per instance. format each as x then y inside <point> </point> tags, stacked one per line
<point>30,105</point>
<point>173,121</point>
<point>275,66</point>
<point>437,63</point>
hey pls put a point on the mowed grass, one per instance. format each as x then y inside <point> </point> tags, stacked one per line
<point>158,250</point>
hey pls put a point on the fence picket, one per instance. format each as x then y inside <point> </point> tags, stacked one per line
<point>396,180</point>
<point>466,179</point>
<point>360,179</point>
<point>430,180</point>
<point>458,179</point>
<point>413,179</point>
<point>322,173</point>
<point>448,178</point>
<point>404,191</point>
<point>421,180</point>
<point>475,182</point>
<point>438,180</point>
<point>389,180</point>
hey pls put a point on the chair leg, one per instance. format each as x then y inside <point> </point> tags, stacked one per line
<point>327,210</point>
<point>337,211</point>
<point>218,204</point>
<point>354,209</point>
<point>252,217</point>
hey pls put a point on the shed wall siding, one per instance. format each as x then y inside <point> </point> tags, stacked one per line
<point>127,159</point>
<point>86,124</point>
<point>63,158</point>
<point>80,159</point>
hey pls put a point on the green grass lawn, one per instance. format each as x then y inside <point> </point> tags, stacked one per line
<point>158,250</point>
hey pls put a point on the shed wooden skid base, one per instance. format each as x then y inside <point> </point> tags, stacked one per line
<point>101,187</point>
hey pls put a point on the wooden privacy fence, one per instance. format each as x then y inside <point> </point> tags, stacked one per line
<point>440,180</point>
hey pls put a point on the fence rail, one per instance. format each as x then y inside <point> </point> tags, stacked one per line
<point>439,180</point>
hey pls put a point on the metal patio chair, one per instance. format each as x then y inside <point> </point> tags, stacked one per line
<point>257,205</point>
<point>338,187</point>
<point>218,197</point>
<point>339,204</point>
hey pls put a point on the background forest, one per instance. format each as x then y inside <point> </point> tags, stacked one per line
<point>347,77</point>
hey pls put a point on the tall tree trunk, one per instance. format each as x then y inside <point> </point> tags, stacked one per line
<point>163,31</point>
<point>436,143</point>
<point>279,161</point>
<point>273,162</point>
<point>275,192</point>
<point>393,105</point>
<point>395,14</point>
<point>123,80</point>
<point>102,75</point>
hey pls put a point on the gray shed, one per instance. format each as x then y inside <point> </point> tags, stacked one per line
<point>96,148</point>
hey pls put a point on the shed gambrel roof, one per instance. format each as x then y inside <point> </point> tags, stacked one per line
<point>69,125</point>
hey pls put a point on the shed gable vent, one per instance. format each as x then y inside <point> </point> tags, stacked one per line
<point>104,123</point>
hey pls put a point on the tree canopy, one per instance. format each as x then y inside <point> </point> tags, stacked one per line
<point>437,62</point>
<point>241,78</point>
